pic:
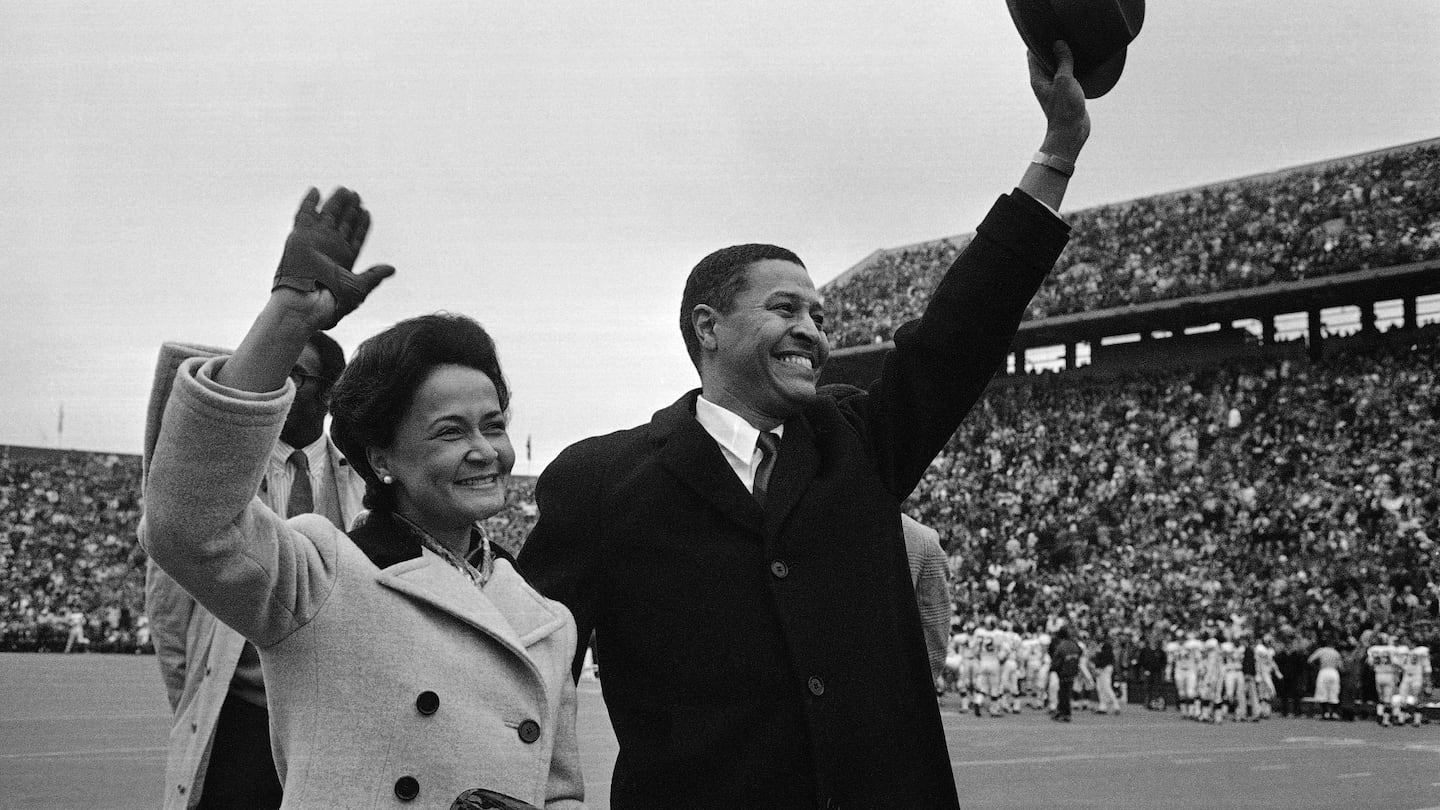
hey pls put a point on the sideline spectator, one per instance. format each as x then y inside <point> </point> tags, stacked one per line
<point>1327,681</point>
<point>1065,657</point>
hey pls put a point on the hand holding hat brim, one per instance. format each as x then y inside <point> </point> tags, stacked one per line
<point>1098,32</point>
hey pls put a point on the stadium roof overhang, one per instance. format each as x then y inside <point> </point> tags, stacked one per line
<point>1362,286</point>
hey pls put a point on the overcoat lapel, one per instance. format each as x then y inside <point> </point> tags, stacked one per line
<point>530,618</point>
<point>433,581</point>
<point>691,455</point>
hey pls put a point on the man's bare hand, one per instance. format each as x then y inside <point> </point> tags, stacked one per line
<point>315,273</point>
<point>1062,99</point>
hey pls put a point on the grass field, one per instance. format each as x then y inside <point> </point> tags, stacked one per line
<point>89,731</point>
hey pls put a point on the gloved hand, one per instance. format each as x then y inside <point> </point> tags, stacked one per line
<point>321,250</point>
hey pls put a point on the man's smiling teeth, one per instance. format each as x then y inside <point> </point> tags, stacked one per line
<point>797,360</point>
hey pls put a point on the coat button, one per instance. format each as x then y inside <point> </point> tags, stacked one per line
<point>529,731</point>
<point>427,703</point>
<point>816,686</point>
<point>194,727</point>
<point>779,569</point>
<point>407,788</point>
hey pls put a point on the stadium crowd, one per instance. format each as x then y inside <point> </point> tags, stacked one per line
<point>70,558</point>
<point>1268,498</point>
<point>1371,211</point>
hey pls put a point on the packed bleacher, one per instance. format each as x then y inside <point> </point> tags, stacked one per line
<point>70,555</point>
<point>1282,497</point>
<point>1274,497</point>
<point>1376,210</point>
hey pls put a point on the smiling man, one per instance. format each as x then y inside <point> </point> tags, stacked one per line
<point>740,557</point>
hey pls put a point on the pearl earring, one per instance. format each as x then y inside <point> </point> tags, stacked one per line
<point>387,479</point>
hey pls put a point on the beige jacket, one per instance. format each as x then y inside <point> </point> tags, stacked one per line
<point>930,574</point>
<point>198,654</point>
<point>379,680</point>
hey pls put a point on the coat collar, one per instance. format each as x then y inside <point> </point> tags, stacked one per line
<point>690,454</point>
<point>382,540</point>
<point>508,610</point>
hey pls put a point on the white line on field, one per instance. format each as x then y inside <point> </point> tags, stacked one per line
<point>1117,755</point>
<point>88,753</point>
<point>84,717</point>
<point>1178,756</point>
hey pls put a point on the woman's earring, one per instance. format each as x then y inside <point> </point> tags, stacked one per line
<point>387,479</point>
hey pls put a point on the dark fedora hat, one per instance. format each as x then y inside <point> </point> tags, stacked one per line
<point>1097,31</point>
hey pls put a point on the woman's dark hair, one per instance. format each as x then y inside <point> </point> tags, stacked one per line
<point>376,389</point>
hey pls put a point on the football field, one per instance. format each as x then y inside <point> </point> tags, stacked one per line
<point>89,731</point>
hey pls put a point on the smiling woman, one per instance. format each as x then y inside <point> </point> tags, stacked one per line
<point>423,416</point>
<point>405,659</point>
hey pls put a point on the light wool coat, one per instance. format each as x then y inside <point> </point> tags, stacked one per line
<point>379,678</point>
<point>198,655</point>
<point>196,652</point>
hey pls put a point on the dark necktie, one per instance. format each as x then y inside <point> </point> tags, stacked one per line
<point>302,498</point>
<point>768,444</point>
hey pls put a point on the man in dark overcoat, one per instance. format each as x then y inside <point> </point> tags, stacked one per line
<point>753,606</point>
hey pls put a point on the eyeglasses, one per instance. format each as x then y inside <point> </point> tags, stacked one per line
<point>300,377</point>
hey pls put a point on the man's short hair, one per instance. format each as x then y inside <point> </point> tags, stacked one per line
<point>717,280</point>
<point>332,357</point>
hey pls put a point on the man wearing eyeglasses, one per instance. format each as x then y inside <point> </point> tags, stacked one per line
<point>219,753</point>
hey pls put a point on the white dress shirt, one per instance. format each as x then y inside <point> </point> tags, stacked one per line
<point>280,477</point>
<point>735,436</point>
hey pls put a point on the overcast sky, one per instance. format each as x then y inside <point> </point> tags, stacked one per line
<point>555,168</point>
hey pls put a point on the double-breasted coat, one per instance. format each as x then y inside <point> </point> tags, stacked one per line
<point>391,679</point>
<point>773,657</point>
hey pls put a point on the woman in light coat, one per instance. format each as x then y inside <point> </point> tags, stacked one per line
<point>407,663</point>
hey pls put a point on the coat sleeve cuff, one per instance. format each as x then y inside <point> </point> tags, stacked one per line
<point>196,379</point>
<point>1026,227</point>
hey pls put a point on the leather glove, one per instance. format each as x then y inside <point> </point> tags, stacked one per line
<point>322,248</point>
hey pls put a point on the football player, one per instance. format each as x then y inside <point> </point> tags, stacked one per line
<point>1384,658</point>
<point>1266,671</point>
<point>987,676</point>
<point>1415,678</point>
